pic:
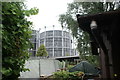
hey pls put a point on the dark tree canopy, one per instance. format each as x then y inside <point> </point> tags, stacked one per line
<point>69,21</point>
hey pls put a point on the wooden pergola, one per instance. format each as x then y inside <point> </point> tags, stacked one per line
<point>104,31</point>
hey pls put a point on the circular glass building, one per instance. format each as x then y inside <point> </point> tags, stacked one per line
<point>57,42</point>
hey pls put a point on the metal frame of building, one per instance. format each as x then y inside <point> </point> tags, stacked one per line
<point>57,42</point>
<point>34,40</point>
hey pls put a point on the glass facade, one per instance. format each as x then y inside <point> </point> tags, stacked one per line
<point>34,40</point>
<point>56,44</point>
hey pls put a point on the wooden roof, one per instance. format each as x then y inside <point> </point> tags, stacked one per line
<point>104,18</point>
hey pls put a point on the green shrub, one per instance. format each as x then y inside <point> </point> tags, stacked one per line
<point>65,75</point>
<point>16,32</point>
<point>69,66</point>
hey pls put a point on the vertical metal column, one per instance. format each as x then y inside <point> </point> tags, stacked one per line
<point>62,43</point>
<point>53,41</point>
<point>70,42</point>
<point>36,42</point>
<point>39,38</point>
<point>73,47</point>
<point>45,37</point>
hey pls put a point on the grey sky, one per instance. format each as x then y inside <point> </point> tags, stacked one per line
<point>49,11</point>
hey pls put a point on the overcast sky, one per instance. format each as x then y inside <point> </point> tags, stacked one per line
<point>49,11</point>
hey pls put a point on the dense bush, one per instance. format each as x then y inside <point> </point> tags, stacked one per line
<point>65,75</point>
<point>16,32</point>
<point>69,66</point>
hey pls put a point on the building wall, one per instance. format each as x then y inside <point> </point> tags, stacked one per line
<point>35,42</point>
<point>56,44</point>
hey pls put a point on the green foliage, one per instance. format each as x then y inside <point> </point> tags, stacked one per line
<point>42,51</point>
<point>67,54</point>
<point>62,64</point>
<point>69,66</point>
<point>32,11</point>
<point>69,21</point>
<point>65,75</point>
<point>92,59</point>
<point>16,32</point>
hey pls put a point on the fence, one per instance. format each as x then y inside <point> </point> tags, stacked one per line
<point>40,67</point>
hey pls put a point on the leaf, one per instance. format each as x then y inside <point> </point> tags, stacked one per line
<point>68,20</point>
<point>16,32</point>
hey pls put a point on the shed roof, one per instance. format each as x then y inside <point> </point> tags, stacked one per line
<point>68,57</point>
<point>104,18</point>
<point>106,23</point>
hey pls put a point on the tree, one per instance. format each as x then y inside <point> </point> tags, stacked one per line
<point>42,51</point>
<point>16,32</point>
<point>69,21</point>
